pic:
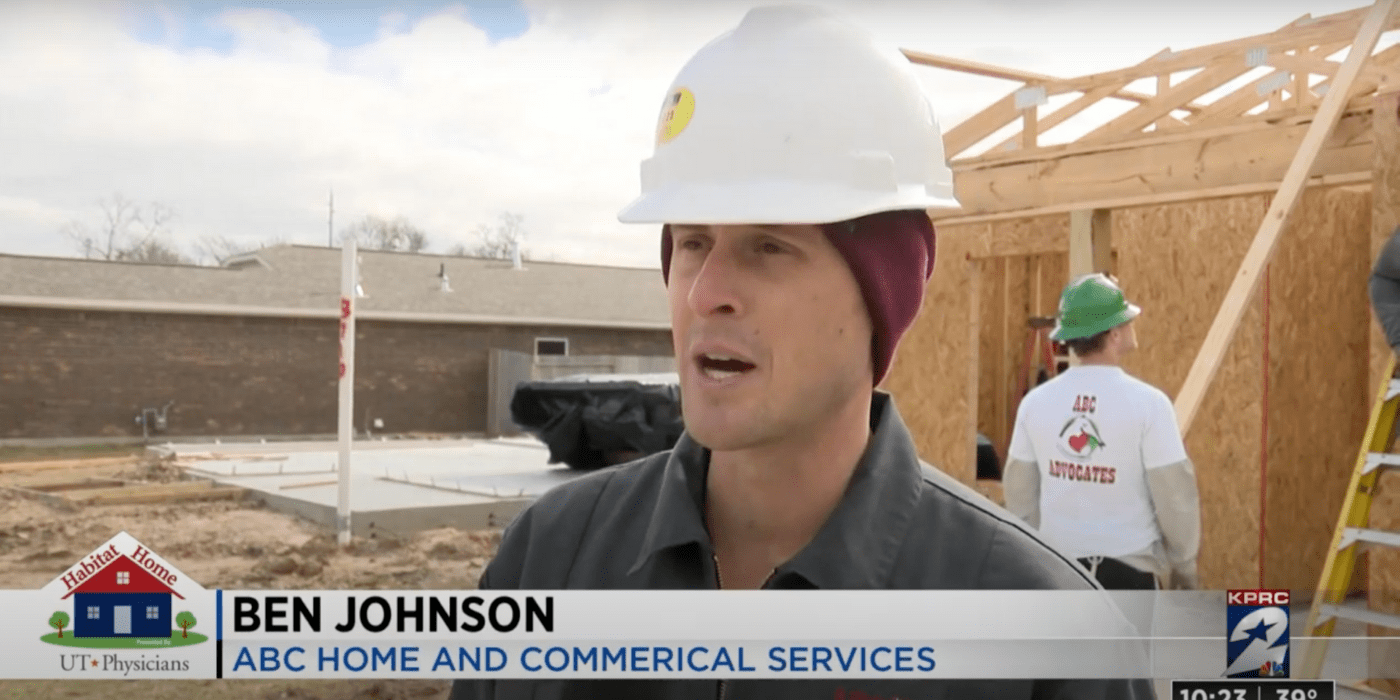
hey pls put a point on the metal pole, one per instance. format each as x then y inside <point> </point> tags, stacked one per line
<point>348,279</point>
<point>330,221</point>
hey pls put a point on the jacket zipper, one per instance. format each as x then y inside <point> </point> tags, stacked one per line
<point>719,583</point>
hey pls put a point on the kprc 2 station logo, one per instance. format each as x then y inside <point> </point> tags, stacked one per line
<point>122,611</point>
<point>1257,641</point>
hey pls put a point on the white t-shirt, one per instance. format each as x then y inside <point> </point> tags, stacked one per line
<point>1094,431</point>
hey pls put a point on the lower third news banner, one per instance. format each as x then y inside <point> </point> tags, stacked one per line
<point>125,626</point>
<point>672,634</point>
<point>123,611</point>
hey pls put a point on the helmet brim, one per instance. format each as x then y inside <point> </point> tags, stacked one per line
<point>1060,334</point>
<point>771,203</point>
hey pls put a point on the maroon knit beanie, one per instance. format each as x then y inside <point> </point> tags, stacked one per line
<point>891,254</point>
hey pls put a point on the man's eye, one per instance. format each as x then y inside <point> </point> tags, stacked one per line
<point>770,248</point>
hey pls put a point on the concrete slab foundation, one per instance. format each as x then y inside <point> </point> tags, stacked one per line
<point>396,487</point>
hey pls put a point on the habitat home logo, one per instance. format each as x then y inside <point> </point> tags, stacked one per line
<point>123,610</point>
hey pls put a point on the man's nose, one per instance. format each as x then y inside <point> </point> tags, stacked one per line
<point>716,287</point>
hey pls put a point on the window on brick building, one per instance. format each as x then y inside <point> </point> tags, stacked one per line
<point>551,346</point>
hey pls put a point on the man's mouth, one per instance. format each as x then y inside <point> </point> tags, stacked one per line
<point>718,366</point>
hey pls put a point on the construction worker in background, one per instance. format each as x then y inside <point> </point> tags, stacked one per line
<point>1385,290</point>
<point>1096,460</point>
<point>794,164</point>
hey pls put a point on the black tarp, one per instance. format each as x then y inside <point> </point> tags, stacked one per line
<point>593,424</point>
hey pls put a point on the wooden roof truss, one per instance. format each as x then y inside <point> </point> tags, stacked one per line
<point>1197,97</point>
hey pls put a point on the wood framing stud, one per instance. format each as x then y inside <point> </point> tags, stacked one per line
<point>1062,114</point>
<point>1176,160</point>
<point>1090,241</point>
<point>1360,180</point>
<point>1222,330</point>
<point>1029,130</point>
<point>48,465</point>
<point>1199,84</point>
<point>991,71</point>
<point>1164,83</point>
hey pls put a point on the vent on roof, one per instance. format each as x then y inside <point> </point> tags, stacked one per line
<point>515,254</point>
<point>245,260</point>
<point>444,284</point>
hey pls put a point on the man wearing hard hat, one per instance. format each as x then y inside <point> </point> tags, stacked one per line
<point>1096,460</point>
<point>795,162</point>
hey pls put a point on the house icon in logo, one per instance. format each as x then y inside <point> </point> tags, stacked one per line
<point>123,599</point>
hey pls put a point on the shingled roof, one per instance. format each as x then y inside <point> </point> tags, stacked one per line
<point>295,280</point>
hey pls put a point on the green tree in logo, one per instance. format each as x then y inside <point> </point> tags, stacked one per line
<point>185,620</point>
<point>59,621</point>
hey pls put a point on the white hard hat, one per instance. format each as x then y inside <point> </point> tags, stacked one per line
<point>795,116</point>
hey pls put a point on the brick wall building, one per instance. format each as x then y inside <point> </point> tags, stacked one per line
<point>251,348</point>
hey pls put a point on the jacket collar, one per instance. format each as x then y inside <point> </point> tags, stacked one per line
<point>856,547</point>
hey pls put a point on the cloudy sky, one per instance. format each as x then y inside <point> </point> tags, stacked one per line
<point>241,117</point>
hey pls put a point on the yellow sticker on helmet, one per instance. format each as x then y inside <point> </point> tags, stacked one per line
<point>675,115</point>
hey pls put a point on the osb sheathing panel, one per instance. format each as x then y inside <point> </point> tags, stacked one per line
<point>991,342</point>
<point>1177,262</point>
<point>1006,305</point>
<point>1021,237</point>
<point>1318,390</point>
<point>1054,275</point>
<point>1013,318</point>
<point>934,376</point>
<point>1383,574</point>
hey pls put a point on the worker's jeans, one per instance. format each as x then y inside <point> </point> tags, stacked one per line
<point>1117,576</point>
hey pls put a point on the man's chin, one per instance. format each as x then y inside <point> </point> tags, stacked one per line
<point>722,435</point>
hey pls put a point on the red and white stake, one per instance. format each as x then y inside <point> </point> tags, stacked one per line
<point>349,278</point>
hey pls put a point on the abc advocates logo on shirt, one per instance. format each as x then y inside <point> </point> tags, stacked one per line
<point>1257,645</point>
<point>1080,437</point>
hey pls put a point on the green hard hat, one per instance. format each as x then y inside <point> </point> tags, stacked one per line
<point>1091,305</point>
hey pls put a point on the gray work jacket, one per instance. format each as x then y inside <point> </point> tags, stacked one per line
<point>1385,289</point>
<point>900,525</point>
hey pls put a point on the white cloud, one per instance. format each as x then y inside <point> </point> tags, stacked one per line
<point>273,36</point>
<point>434,122</point>
<point>392,22</point>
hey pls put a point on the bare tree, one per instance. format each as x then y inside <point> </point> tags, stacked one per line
<point>382,234</point>
<point>153,251</point>
<point>127,231</point>
<point>497,242</point>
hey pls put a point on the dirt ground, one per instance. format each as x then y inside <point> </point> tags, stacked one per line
<point>228,544</point>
